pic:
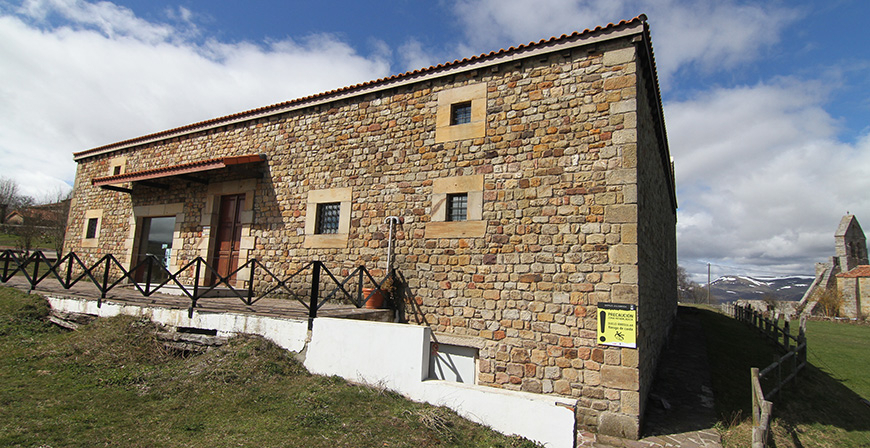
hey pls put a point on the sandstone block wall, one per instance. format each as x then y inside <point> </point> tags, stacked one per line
<point>575,211</point>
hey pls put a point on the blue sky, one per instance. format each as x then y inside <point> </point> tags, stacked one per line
<point>767,103</point>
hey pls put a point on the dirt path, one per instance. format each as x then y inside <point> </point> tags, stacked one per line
<point>680,408</point>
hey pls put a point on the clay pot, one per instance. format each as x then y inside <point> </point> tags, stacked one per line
<point>375,300</point>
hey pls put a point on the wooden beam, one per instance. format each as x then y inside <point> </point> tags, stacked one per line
<point>153,184</point>
<point>196,179</point>
<point>115,188</point>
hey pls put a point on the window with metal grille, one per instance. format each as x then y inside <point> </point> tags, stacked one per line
<point>457,207</point>
<point>460,113</point>
<point>327,217</point>
<point>92,228</point>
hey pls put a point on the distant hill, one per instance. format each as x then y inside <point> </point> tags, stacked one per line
<point>731,288</point>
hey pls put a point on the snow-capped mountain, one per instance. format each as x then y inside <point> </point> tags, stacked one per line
<point>731,288</point>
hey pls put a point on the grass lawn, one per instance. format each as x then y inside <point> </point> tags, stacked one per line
<point>842,351</point>
<point>113,384</point>
<point>8,239</point>
<point>820,411</point>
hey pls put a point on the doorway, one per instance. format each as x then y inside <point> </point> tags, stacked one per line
<point>155,238</point>
<point>228,236</point>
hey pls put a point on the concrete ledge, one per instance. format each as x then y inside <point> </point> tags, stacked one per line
<point>547,419</point>
<point>289,334</point>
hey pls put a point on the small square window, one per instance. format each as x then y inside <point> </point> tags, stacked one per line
<point>116,170</point>
<point>460,113</point>
<point>457,207</point>
<point>327,217</point>
<point>92,228</point>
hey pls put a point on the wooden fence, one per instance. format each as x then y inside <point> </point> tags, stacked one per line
<point>777,374</point>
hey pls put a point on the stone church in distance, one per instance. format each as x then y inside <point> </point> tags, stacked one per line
<point>534,183</point>
<point>848,271</point>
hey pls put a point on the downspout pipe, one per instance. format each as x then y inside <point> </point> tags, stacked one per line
<point>393,221</point>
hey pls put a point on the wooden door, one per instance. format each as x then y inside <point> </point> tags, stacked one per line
<point>228,235</point>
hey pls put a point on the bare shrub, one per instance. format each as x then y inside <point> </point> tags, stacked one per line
<point>831,301</point>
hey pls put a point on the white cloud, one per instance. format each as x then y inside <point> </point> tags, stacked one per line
<point>112,20</point>
<point>105,75</point>
<point>762,180</point>
<point>414,57</point>
<point>709,34</point>
<point>761,175</point>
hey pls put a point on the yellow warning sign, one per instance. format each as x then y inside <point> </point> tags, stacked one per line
<point>617,324</point>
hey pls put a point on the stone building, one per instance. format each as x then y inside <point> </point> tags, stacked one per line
<point>534,183</point>
<point>847,271</point>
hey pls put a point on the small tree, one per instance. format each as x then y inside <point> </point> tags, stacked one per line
<point>56,212</point>
<point>689,291</point>
<point>8,194</point>
<point>770,302</point>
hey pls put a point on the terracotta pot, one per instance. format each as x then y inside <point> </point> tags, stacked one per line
<point>376,299</point>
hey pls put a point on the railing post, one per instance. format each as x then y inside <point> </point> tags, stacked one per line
<point>196,273</point>
<point>195,287</point>
<point>105,286</point>
<point>33,280</point>
<point>359,287</point>
<point>315,292</point>
<point>251,283</point>
<point>149,270</point>
<point>69,267</point>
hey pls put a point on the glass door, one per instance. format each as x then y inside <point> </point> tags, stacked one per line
<point>155,238</point>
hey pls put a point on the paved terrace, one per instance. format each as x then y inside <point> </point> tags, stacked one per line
<point>273,307</point>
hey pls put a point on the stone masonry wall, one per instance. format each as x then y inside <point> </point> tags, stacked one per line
<point>559,160</point>
<point>657,248</point>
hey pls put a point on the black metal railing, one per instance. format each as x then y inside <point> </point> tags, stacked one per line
<point>202,279</point>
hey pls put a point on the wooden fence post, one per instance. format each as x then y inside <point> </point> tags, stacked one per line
<point>755,382</point>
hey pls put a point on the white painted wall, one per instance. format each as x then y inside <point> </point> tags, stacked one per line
<point>391,355</point>
<point>543,418</point>
<point>289,334</point>
<point>396,356</point>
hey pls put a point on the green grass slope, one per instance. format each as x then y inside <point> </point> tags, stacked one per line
<point>820,410</point>
<point>113,383</point>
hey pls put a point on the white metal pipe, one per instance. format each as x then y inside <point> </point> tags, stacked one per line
<point>392,220</point>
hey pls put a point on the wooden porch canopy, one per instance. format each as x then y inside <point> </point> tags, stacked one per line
<point>184,171</point>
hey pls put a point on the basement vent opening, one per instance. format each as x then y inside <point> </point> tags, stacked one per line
<point>192,330</point>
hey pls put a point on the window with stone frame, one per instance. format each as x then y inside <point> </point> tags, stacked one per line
<point>461,113</point>
<point>92,222</point>
<point>327,218</point>
<point>117,165</point>
<point>457,208</point>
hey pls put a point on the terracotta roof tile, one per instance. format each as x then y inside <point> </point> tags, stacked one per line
<point>192,127</point>
<point>857,271</point>
<point>175,170</point>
